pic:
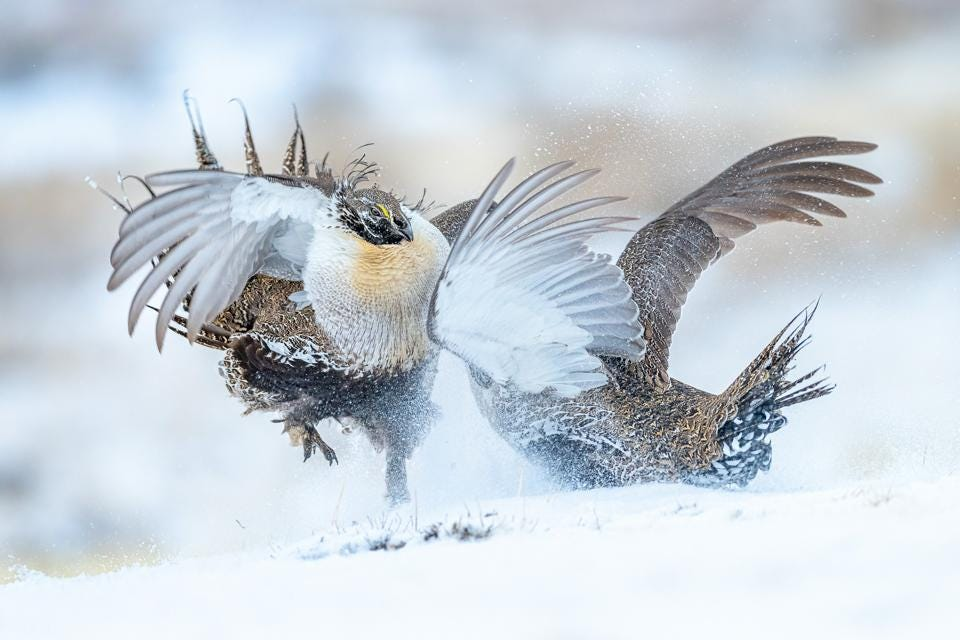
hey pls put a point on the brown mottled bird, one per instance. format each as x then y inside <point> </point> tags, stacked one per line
<point>333,301</point>
<point>644,425</point>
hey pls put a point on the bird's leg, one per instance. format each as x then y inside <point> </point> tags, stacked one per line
<point>312,441</point>
<point>302,433</point>
<point>397,492</point>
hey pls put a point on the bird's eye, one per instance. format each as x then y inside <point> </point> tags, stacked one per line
<point>386,212</point>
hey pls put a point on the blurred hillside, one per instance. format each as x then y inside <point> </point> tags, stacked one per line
<point>111,454</point>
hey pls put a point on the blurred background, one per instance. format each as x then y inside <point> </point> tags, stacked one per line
<point>112,455</point>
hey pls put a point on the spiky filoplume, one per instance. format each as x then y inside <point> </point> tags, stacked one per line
<point>205,158</point>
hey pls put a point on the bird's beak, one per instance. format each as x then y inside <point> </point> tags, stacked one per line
<point>406,231</point>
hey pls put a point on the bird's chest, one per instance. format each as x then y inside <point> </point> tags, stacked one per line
<point>372,300</point>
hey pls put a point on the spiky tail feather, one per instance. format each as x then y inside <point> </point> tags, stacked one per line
<point>759,394</point>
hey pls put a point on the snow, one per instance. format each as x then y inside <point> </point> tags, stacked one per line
<point>854,532</point>
<point>873,561</point>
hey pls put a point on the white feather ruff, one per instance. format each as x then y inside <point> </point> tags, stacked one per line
<point>372,300</point>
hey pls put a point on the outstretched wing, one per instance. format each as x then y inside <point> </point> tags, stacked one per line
<point>214,231</point>
<point>664,259</point>
<point>526,301</point>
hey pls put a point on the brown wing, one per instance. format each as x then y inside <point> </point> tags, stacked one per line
<point>451,221</point>
<point>664,259</point>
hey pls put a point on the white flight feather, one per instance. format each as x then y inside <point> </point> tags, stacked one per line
<point>513,334</point>
<point>525,301</point>
<point>262,201</point>
<point>263,225</point>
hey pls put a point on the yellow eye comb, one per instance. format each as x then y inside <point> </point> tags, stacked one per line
<point>386,212</point>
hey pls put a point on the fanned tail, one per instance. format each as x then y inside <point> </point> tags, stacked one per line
<point>759,395</point>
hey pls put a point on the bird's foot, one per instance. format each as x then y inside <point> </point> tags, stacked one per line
<point>307,437</point>
<point>312,441</point>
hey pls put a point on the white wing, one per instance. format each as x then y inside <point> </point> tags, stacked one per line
<point>527,301</point>
<point>220,228</point>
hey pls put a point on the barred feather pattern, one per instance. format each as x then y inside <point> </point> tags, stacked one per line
<point>609,436</point>
<point>626,433</point>
<point>663,261</point>
<point>760,394</point>
<point>276,358</point>
<point>646,425</point>
<point>661,264</point>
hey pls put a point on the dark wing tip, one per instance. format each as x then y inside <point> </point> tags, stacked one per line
<point>861,147</point>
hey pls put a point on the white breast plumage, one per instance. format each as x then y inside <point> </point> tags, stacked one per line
<point>372,300</point>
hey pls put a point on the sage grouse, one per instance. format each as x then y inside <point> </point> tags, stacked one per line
<point>644,425</point>
<point>333,301</point>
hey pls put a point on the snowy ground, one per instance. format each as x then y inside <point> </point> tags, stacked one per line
<point>854,532</point>
<point>873,561</point>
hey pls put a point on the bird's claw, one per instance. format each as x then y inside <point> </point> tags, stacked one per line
<point>307,437</point>
<point>312,441</point>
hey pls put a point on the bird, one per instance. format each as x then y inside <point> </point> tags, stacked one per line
<point>645,426</point>
<point>332,298</point>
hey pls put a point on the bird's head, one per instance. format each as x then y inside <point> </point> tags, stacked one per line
<point>374,215</point>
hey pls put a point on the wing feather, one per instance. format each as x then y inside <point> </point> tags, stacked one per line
<point>663,261</point>
<point>166,267</point>
<point>213,231</point>
<point>536,201</point>
<point>157,231</point>
<point>526,301</point>
<point>157,207</point>
<point>185,281</point>
<point>517,194</point>
<point>130,261</point>
<point>211,295</point>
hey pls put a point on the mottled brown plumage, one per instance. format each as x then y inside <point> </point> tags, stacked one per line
<point>333,301</point>
<point>664,259</point>
<point>451,221</point>
<point>278,358</point>
<point>646,426</point>
<point>264,312</point>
